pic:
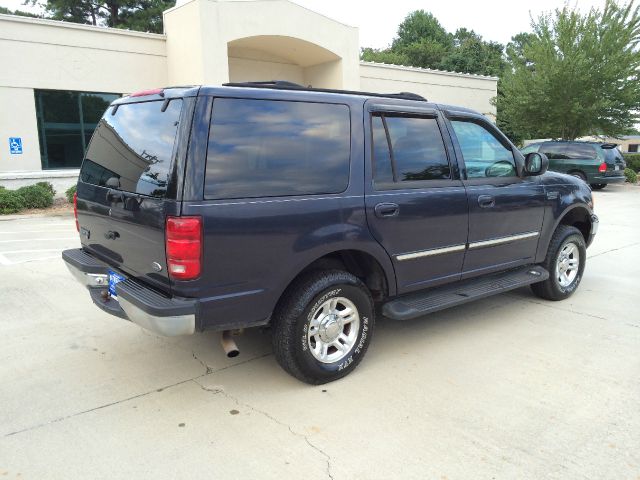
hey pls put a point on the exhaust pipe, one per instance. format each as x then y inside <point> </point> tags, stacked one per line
<point>229,345</point>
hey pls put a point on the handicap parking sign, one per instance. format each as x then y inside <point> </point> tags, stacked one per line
<point>15,145</point>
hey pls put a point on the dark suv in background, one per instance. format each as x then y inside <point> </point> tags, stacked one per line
<point>308,211</point>
<point>598,164</point>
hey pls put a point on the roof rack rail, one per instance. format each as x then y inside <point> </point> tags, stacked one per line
<point>285,85</point>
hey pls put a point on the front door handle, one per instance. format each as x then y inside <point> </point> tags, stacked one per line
<point>387,210</point>
<point>486,201</point>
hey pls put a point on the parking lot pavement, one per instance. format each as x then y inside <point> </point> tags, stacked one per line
<point>35,239</point>
<point>508,387</point>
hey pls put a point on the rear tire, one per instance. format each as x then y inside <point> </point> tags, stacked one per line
<point>565,262</point>
<point>579,175</point>
<point>598,186</point>
<point>323,326</point>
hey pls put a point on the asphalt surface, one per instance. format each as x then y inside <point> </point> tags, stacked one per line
<point>507,387</point>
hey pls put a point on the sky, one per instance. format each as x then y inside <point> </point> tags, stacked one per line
<point>496,20</point>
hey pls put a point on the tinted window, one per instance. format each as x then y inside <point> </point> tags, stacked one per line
<point>132,149</point>
<point>568,151</point>
<point>484,155</point>
<point>383,173</point>
<point>530,148</point>
<point>413,145</point>
<point>612,155</point>
<point>262,148</point>
<point>577,150</point>
<point>555,151</point>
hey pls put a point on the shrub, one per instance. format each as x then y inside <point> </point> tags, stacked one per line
<point>10,201</point>
<point>47,186</point>
<point>69,193</point>
<point>633,161</point>
<point>36,196</point>
<point>632,177</point>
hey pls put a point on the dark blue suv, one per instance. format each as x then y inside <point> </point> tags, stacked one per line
<point>308,211</point>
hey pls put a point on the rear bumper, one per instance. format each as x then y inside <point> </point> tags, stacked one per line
<point>136,302</point>
<point>604,179</point>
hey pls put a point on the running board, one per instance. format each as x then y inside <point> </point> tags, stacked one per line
<point>415,305</point>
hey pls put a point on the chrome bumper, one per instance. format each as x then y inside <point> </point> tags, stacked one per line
<point>136,302</point>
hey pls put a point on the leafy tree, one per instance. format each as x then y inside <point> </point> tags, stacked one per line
<point>383,56</point>
<point>423,42</point>
<point>471,54</point>
<point>21,13</point>
<point>574,75</point>
<point>142,15</point>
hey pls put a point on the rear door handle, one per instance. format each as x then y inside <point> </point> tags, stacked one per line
<point>387,210</point>
<point>486,201</point>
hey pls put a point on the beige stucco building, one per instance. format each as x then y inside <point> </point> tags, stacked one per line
<point>57,77</point>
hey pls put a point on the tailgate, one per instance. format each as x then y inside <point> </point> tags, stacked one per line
<point>614,160</point>
<point>122,189</point>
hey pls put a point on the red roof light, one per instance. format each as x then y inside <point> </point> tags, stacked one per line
<point>144,93</point>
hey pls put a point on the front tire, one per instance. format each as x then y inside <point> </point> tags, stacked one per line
<point>323,326</point>
<point>565,262</point>
<point>598,186</point>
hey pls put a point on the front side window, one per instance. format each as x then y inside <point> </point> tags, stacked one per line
<point>484,155</point>
<point>132,148</point>
<point>265,148</point>
<point>66,121</point>
<point>408,149</point>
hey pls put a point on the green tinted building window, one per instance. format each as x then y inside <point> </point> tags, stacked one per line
<point>66,121</point>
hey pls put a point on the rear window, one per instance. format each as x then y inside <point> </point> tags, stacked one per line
<point>611,155</point>
<point>266,148</point>
<point>131,150</point>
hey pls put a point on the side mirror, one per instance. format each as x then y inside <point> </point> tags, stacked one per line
<point>535,163</point>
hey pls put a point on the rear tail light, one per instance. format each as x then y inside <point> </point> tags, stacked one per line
<point>184,247</point>
<point>602,168</point>
<point>75,210</point>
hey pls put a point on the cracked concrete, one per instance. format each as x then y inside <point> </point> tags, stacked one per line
<point>272,418</point>
<point>509,387</point>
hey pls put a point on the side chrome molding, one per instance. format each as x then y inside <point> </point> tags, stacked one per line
<point>501,240</point>
<point>461,247</point>
<point>431,252</point>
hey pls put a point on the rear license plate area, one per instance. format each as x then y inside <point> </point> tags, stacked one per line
<point>114,279</point>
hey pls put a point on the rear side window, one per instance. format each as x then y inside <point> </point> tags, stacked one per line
<point>131,150</point>
<point>569,151</point>
<point>266,148</point>
<point>408,149</point>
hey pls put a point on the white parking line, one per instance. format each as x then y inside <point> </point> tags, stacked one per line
<point>38,239</point>
<point>33,251</point>
<point>55,257</point>
<point>33,231</point>
<point>39,224</point>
